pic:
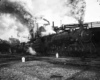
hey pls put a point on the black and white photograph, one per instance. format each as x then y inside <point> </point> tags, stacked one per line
<point>49,39</point>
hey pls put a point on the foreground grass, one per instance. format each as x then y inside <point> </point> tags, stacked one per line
<point>41,70</point>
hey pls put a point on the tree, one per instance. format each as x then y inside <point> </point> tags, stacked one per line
<point>14,41</point>
<point>14,44</point>
<point>77,9</point>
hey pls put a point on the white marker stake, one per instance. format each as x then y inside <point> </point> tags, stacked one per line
<point>57,55</point>
<point>23,59</point>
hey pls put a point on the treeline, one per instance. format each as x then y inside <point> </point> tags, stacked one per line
<point>13,46</point>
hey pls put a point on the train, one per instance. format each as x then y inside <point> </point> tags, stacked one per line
<point>70,40</point>
<point>73,40</point>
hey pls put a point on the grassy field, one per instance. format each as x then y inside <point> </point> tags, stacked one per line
<point>43,70</point>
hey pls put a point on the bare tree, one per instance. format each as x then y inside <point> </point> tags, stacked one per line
<point>77,9</point>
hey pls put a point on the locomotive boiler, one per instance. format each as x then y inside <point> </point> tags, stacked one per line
<point>69,40</point>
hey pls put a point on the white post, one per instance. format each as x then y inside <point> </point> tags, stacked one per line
<point>57,55</point>
<point>23,59</point>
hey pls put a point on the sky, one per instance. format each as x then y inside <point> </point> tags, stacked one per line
<point>52,10</point>
<point>92,13</point>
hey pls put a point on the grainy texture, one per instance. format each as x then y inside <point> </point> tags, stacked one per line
<point>41,70</point>
<point>35,70</point>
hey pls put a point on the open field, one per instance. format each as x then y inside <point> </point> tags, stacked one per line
<point>48,68</point>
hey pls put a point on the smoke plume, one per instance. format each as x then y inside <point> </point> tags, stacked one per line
<point>10,26</point>
<point>19,16</point>
<point>13,21</point>
<point>77,9</point>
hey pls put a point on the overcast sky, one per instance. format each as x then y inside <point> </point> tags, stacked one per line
<point>92,11</point>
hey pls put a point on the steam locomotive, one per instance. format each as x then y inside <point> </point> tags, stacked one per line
<point>69,40</point>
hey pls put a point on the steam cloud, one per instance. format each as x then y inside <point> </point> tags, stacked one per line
<point>17,17</point>
<point>14,22</point>
<point>31,51</point>
<point>11,27</point>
